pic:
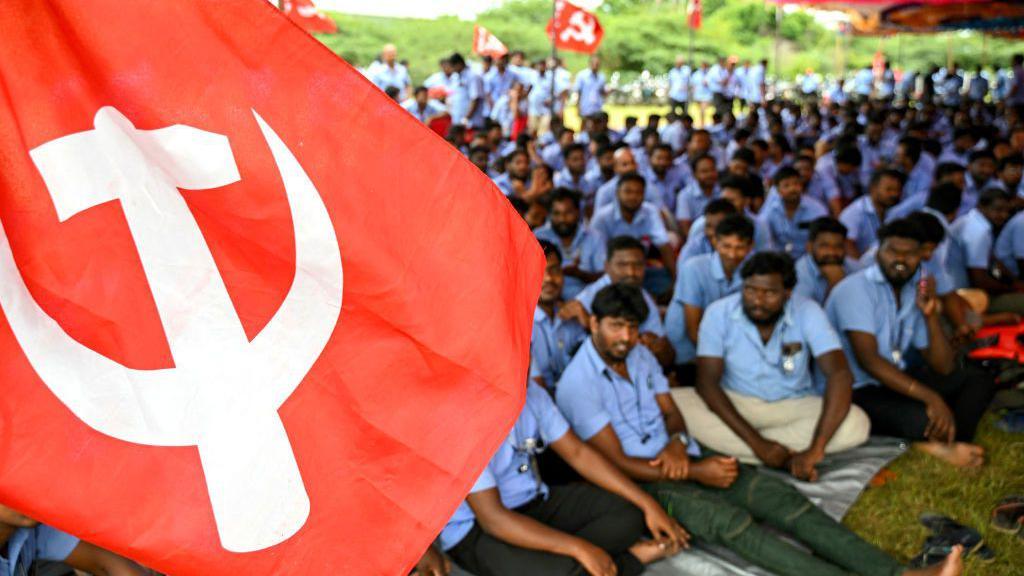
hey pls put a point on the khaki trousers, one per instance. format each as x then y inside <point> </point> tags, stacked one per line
<point>788,422</point>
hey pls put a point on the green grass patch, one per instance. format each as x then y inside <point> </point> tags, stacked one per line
<point>887,516</point>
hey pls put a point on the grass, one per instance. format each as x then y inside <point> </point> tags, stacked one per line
<point>887,516</point>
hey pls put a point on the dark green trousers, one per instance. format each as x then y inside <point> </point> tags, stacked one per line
<point>731,518</point>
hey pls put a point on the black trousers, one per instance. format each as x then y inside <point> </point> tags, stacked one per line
<point>582,510</point>
<point>968,391</point>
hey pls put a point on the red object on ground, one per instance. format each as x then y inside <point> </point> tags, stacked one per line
<point>266,165</point>
<point>486,43</point>
<point>305,14</point>
<point>574,29</point>
<point>1004,343</point>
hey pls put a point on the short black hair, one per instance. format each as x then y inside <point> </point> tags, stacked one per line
<point>735,225</point>
<point>991,195</point>
<point>911,148</point>
<point>848,155</point>
<point>880,173</point>
<point>933,230</point>
<point>825,225</point>
<point>744,155</point>
<point>574,147</point>
<point>764,263</point>
<point>719,206</point>
<point>785,173</point>
<point>945,198</point>
<point>620,243</point>
<point>901,228</point>
<point>699,159</point>
<point>630,177</point>
<point>551,250</point>
<point>729,180</point>
<point>620,301</point>
<point>944,169</point>
<point>1011,160</point>
<point>563,194</point>
<point>981,155</point>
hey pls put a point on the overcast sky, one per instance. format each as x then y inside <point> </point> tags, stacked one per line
<point>465,9</point>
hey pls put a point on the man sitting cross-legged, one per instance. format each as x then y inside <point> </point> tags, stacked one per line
<point>905,374</point>
<point>513,524</point>
<point>616,399</point>
<point>755,397</point>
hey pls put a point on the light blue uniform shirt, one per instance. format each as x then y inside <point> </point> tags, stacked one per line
<point>384,77</point>
<point>433,108</point>
<point>692,201</point>
<point>463,88</point>
<point>970,246</point>
<point>790,235</point>
<point>553,344</point>
<point>652,324</point>
<point>662,191</point>
<point>591,90</point>
<point>646,226</point>
<point>864,302</point>
<point>701,281</point>
<point>679,84</point>
<point>1010,244</point>
<point>606,193</point>
<point>862,223</point>
<point>497,85</point>
<point>27,545</point>
<point>809,281</point>
<point>512,469</point>
<point>592,396</point>
<point>587,249</point>
<point>777,370</point>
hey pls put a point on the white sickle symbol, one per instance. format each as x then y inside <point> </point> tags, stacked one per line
<point>223,392</point>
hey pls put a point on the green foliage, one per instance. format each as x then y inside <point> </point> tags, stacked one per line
<point>648,34</point>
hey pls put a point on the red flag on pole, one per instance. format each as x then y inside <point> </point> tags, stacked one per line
<point>241,330</point>
<point>694,14</point>
<point>306,15</point>
<point>574,29</point>
<point>487,44</point>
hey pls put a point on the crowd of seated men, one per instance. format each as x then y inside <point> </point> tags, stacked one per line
<point>754,294</point>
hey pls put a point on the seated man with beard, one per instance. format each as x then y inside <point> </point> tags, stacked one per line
<point>580,250</point>
<point>755,397</point>
<point>625,265</point>
<point>554,339</point>
<point>905,374</point>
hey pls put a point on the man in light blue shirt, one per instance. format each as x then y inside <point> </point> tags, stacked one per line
<point>904,369</point>
<point>573,174</point>
<point>498,81</point>
<point>23,541</point>
<point>513,523</point>
<point>630,215</point>
<point>679,86</point>
<point>824,264</point>
<point>582,253</point>
<point>866,215</point>
<point>625,265</point>
<point>616,399</point>
<point>789,213</point>
<point>590,88</point>
<point>554,339</point>
<point>663,179</point>
<point>465,94</point>
<point>422,107</point>
<point>624,162</point>
<point>864,83</point>
<point>390,74</point>
<point>1009,247</point>
<point>703,188</point>
<point>703,280</point>
<point>755,397</point>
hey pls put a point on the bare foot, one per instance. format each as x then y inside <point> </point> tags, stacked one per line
<point>959,454</point>
<point>647,551</point>
<point>715,471</point>
<point>953,565</point>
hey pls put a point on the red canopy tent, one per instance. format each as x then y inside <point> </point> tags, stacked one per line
<point>926,16</point>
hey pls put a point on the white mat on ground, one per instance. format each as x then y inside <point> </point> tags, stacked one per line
<point>842,477</point>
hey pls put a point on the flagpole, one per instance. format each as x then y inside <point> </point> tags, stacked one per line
<point>554,54</point>
<point>778,17</point>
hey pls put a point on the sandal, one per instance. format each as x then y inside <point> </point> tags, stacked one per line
<point>947,533</point>
<point>1008,514</point>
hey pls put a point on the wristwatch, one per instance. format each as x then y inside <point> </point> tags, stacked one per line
<point>682,437</point>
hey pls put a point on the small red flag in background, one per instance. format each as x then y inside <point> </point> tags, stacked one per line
<point>694,14</point>
<point>487,44</point>
<point>574,29</point>
<point>254,318</point>
<point>305,14</point>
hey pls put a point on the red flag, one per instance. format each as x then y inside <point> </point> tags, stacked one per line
<point>574,29</point>
<point>305,14</point>
<point>695,12</point>
<point>487,44</point>
<point>242,329</point>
